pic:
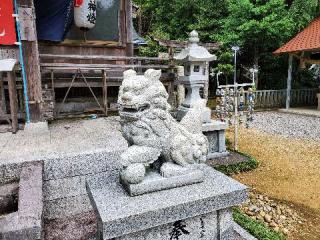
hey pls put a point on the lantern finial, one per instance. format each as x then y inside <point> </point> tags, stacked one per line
<point>194,37</point>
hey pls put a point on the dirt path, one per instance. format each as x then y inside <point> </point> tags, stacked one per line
<point>290,171</point>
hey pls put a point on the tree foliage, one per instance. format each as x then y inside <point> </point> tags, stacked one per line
<point>259,27</point>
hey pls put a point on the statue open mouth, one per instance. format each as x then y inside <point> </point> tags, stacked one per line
<point>132,111</point>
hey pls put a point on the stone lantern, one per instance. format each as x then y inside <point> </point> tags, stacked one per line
<point>195,60</point>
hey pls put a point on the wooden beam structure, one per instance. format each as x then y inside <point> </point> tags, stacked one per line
<point>31,59</point>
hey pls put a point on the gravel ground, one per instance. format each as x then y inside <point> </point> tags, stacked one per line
<point>288,125</point>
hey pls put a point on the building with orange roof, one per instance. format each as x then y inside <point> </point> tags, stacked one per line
<point>305,46</point>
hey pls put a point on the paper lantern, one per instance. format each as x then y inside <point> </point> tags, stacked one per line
<point>85,13</point>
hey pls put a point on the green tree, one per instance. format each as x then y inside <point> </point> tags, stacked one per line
<point>259,27</point>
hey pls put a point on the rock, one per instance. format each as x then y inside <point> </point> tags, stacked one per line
<point>262,214</point>
<point>267,208</point>
<point>285,231</point>
<point>250,213</point>
<point>283,217</point>
<point>259,218</point>
<point>267,218</point>
<point>273,225</point>
<point>254,208</point>
<point>277,229</point>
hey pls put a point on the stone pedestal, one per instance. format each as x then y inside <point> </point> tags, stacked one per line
<point>318,96</point>
<point>215,132</point>
<point>198,211</point>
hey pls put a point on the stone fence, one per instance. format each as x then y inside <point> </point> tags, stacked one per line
<point>277,98</point>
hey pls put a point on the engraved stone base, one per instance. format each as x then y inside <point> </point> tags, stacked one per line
<point>155,182</point>
<point>198,211</point>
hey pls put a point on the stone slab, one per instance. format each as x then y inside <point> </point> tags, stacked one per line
<point>155,182</point>
<point>119,214</point>
<point>216,155</point>
<point>214,126</point>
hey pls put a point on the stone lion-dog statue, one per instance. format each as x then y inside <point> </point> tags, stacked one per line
<point>157,142</point>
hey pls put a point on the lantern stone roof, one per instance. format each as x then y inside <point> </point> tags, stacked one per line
<point>194,52</point>
<point>307,40</point>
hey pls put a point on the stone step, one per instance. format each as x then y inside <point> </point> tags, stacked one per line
<point>74,186</point>
<point>68,197</point>
<point>82,164</point>
<point>67,207</point>
<point>67,165</point>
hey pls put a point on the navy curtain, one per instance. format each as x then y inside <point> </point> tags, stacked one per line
<point>54,19</point>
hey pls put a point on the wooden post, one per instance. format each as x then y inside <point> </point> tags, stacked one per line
<point>13,100</point>
<point>32,61</point>
<point>2,96</point>
<point>289,80</point>
<point>105,92</point>
<point>129,28</point>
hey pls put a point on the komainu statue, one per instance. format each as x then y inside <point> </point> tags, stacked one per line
<point>162,153</point>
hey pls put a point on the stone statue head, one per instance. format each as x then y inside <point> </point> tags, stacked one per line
<point>140,93</point>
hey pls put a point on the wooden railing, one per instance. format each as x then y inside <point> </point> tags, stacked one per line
<point>277,98</point>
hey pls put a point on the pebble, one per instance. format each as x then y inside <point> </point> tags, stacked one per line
<point>277,216</point>
<point>288,125</point>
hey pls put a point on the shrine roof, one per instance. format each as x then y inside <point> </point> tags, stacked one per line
<point>306,40</point>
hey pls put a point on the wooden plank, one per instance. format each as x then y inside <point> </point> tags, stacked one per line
<point>183,44</point>
<point>13,101</point>
<point>105,91</point>
<point>99,57</point>
<point>98,66</point>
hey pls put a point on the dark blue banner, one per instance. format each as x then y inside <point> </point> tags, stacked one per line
<point>54,19</point>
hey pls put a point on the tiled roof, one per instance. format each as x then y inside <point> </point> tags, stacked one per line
<point>307,40</point>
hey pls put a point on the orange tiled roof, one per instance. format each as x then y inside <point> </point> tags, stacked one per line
<point>307,40</point>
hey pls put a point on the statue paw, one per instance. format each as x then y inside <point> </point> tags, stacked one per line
<point>133,174</point>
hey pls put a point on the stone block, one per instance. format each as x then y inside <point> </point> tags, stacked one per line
<point>67,207</point>
<point>82,164</point>
<point>26,223</point>
<point>215,132</point>
<point>155,182</point>
<point>119,214</point>
<point>75,186</point>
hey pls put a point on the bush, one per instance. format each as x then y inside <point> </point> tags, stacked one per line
<point>246,166</point>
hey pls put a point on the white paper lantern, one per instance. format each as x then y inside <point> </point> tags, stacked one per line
<point>85,15</point>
